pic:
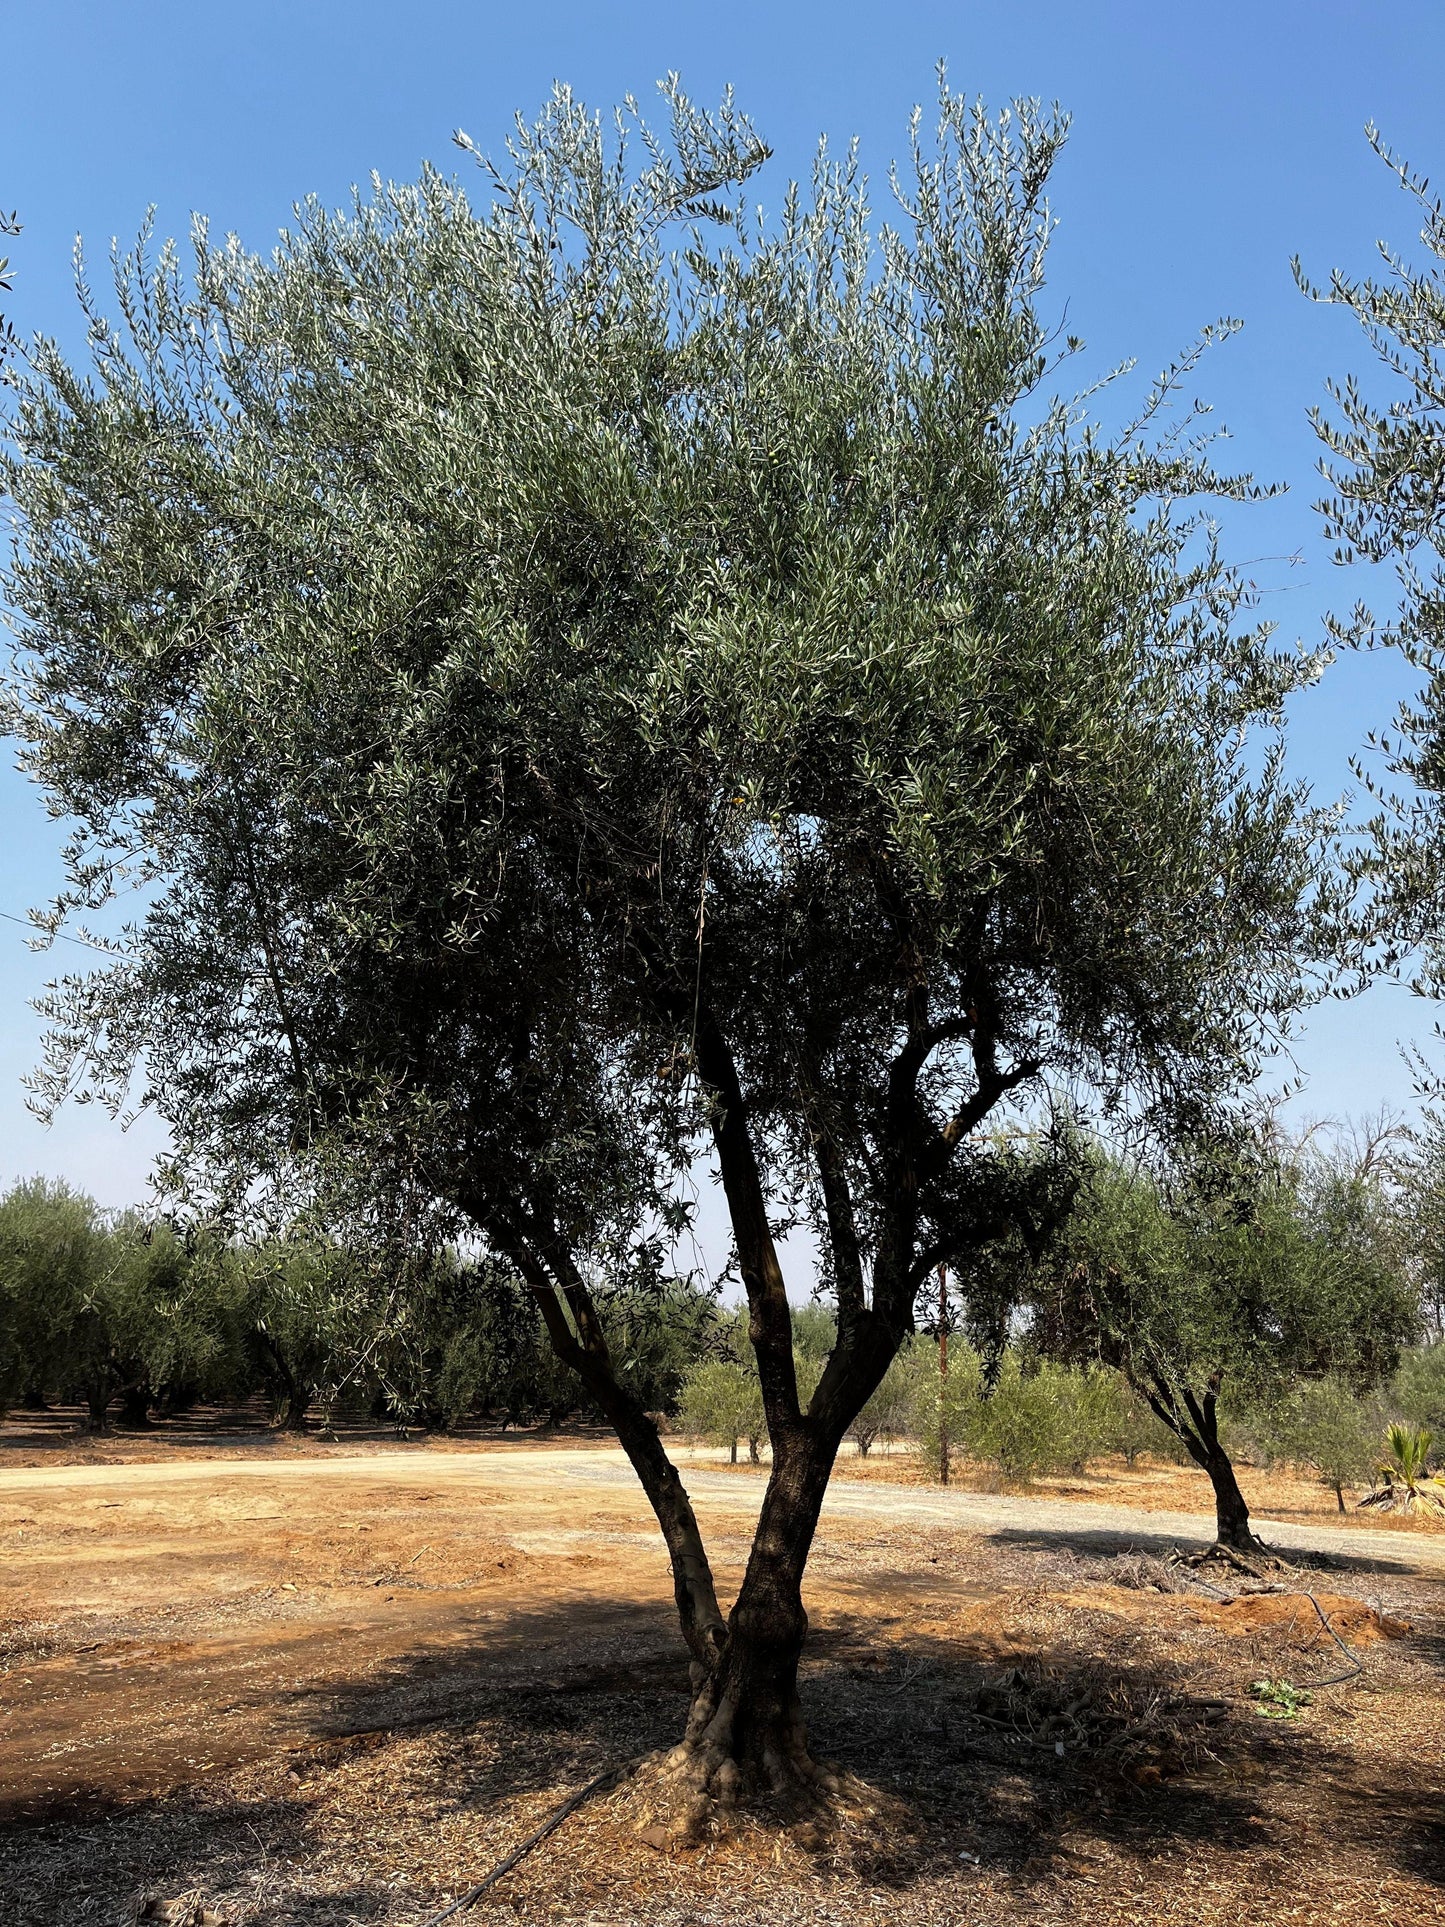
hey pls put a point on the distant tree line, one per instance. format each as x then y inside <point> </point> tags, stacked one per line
<point>1258,1301</point>
<point>132,1319</point>
<point>1262,1312</point>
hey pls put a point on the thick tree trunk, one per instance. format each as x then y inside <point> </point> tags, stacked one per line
<point>1194,1422</point>
<point>135,1406</point>
<point>292,1416</point>
<point>746,1731</point>
<point>1231,1514</point>
<point>290,1400</point>
<point>97,1404</point>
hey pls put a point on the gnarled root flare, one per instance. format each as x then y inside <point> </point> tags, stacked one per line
<point>692,1792</point>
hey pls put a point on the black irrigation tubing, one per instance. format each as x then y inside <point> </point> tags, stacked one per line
<point>549,1825</point>
<point>1357,1665</point>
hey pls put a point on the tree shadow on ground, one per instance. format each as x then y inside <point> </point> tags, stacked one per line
<point>1158,1542</point>
<point>1005,1764</point>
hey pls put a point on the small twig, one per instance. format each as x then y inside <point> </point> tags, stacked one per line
<point>1357,1665</point>
<point>549,1825</point>
<point>910,1678</point>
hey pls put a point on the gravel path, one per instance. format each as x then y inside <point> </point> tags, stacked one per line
<point>1007,1516</point>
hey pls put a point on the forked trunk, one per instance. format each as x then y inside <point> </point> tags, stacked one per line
<point>746,1721</point>
<point>745,1731</point>
<point>1194,1421</point>
<point>292,1410</point>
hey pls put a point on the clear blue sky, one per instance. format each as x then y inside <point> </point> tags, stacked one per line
<point>1209,144</point>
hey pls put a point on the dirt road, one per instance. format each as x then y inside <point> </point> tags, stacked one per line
<point>568,1476</point>
<point>320,1683</point>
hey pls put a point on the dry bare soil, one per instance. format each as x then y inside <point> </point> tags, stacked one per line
<point>318,1685</point>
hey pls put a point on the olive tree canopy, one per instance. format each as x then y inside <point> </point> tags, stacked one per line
<point>1240,1272</point>
<point>599,676</point>
<point>1384,466</point>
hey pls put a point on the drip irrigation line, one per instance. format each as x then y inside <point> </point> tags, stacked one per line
<point>1356,1666</point>
<point>549,1825</point>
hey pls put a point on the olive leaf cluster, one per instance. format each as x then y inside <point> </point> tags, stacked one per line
<point>1383,462</point>
<point>582,672</point>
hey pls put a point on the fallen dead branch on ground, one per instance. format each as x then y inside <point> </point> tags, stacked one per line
<point>549,1825</point>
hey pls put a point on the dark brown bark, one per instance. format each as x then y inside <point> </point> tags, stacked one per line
<point>292,1416</point>
<point>1195,1422</point>
<point>1231,1514</point>
<point>746,1725</point>
<point>746,1722</point>
<point>290,1400</point>
<point>97,1405</point>
<point>585,1349</point>
<point>746,1717</point>
<point>135,1406</point>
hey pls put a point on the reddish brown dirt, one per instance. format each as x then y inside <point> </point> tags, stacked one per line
<point>327,1685</point>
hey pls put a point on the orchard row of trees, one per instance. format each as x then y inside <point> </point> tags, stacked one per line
<point>1029,1416</point>
<point>1260,1295</point>
<point>131,1319</point>
<point>1261,1304</point>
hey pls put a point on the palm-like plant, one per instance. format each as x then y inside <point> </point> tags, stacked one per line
<point>1405,1482</point>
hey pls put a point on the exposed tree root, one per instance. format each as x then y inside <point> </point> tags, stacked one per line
<point>693,1793</point>
<point>1258,1563</point>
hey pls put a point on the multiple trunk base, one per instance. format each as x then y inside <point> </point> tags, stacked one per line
<point>698,1789</point>
<point>746,1747</point>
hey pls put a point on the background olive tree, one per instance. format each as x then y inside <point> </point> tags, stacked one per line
<point>1227,1281</point>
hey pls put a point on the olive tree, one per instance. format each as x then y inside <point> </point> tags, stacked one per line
<point>52,1250</point>
<point>1383,463</point>
<point>1328,1425</point>
<point>1231,1278</point>
<point>602,679</point>
<point>723,1402</point>
<point>96,1306</point>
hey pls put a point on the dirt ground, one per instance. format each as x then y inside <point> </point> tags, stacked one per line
<point>330,1684</point>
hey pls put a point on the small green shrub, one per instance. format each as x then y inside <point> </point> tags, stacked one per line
<point>1027,1425</point>
<point>1278,1699</point>
<point>941,1406</point>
